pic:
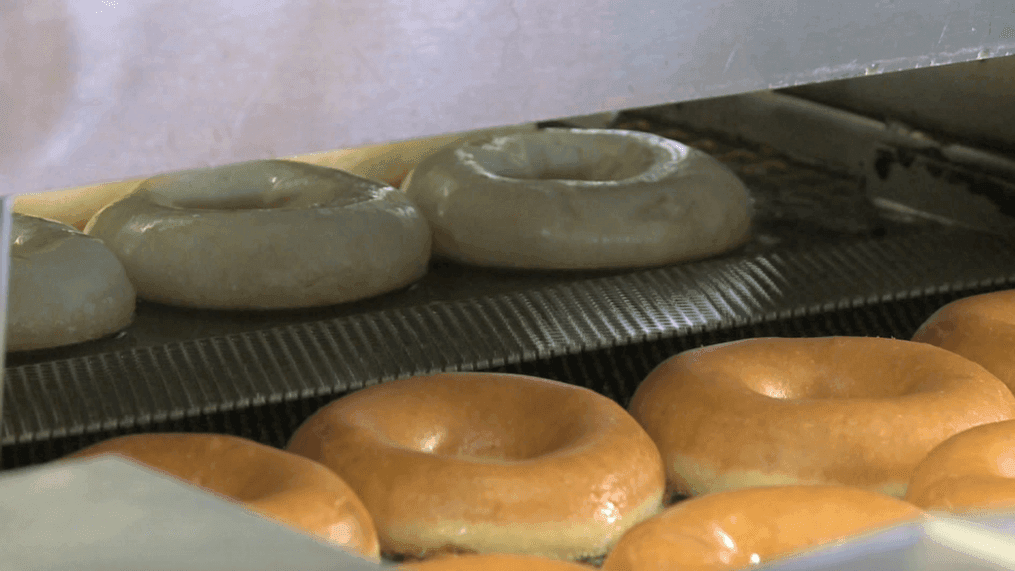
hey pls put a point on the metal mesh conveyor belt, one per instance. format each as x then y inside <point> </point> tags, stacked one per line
<point>115,392</point>
<point>614,371</point>
<point>823,261</point>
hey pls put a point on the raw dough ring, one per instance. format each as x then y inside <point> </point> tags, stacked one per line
<point>65,287</point>
<point>579,199</point>
<point>265,235</point>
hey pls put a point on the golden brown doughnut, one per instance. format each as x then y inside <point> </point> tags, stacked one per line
<point>482,462</point>
<point>493,562</point>
<point>274,483</point>
<point>836,410</point>
<point>973,470</point>
<point>981,328</point>
<point>743,528</point>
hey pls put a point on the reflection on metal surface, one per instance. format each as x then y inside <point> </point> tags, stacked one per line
<point>6,223</point>
<point>114,91</point>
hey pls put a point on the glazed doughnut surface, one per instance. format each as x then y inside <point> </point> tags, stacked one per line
<point>973,470</point>
<point>265,235</point>
<point>65,287</point>
<point>837,410</point>
<point>474,462</point>
<point>579,199</point>
<point>981,328</point>
<point>282,486</point>
<point>744,528</point>
<point>493,562</point>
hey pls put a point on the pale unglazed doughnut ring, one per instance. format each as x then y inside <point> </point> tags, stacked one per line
<point>282,486</point>
<point>744,528</point>
<point>981,328</point>
<point>971,471</point>
<point>265,235</point>
<point>579,199</point>
<point>483,462</point>
<point>493,562</point>
<point>858,411</point>
<point>65,287</point>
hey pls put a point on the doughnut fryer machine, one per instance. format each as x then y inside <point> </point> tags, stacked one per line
<point>878,199</point>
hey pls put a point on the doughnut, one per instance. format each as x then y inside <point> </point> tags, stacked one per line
<point>391,162</point>
<point>483,462</point>
<point>265,235</point>
<point>75,206</point>
<point>388,163</point>
<point>973,470</point>
<point>493,562</point>
<point>981,328</point>
<point>836,410</point>
<point>579,199</point>
<point>65,287</point>
<point>744,528</point>
<point>271,482</point>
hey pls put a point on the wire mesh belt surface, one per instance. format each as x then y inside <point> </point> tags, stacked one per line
<point>823,261</point>
<point>118,390</point>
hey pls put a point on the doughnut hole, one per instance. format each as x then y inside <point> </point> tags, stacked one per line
<point>477,431</point>
<point>833,371</point>
<point>245,186</point>
<point>602,157</point>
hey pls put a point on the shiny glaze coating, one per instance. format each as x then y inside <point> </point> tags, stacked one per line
<point>274,483</point>
<point>65,287</point>
<point>837,410</point>
<point>981,328</point>
<point>743,528</point>
<point>482,462</point>
<point>493,562</point>
<point>265,235</point>
<point>973,470</point>
<point>579,199</point>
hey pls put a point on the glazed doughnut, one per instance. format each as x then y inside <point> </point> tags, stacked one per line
<point>65,287</point>
<point>745,528</point>
<point>837,410</point>
<point>579,199</point>
<point>981,328</point>
<point>276,484</point>
<point>482,462</point>
<point>973,470</point>
<point>265,235</point>
<point>493,562</point>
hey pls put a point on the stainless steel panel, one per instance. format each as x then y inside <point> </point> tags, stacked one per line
<point>107,514</point>
<point>101,90</point>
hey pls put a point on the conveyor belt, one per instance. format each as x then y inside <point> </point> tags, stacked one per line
<point>823,261</point>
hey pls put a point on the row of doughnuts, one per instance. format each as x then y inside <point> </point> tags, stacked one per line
<point>291,234</point>
<point>505,464</point>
